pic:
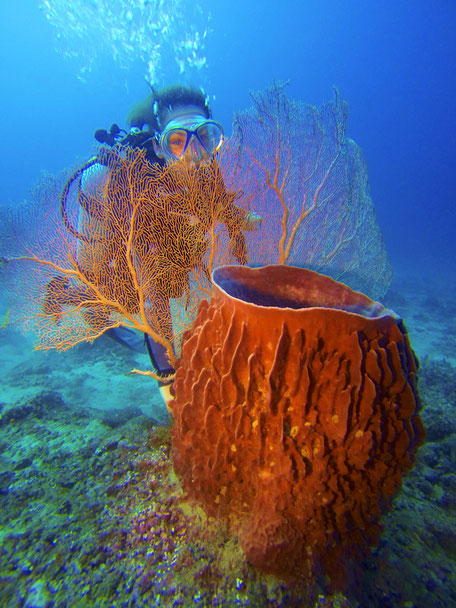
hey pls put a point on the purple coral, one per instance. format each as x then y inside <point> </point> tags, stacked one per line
<point>309,184</point>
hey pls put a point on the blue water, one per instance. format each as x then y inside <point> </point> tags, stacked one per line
<point>394,63</point>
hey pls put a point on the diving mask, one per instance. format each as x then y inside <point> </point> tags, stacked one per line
<point>204,136</point>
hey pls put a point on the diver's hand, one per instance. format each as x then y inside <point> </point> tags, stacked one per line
<point>252,222</point>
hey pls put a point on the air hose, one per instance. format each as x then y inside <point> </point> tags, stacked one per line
<point>104,157</point>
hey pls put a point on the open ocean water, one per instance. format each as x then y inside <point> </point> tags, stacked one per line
<point>91,511</point>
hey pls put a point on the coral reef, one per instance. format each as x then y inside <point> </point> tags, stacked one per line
<point>292,428</point>
<point>93,516</point>
<point>76,493</point>
<point>295,416</point>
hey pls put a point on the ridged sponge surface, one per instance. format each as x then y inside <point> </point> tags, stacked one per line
<point>294,422</point>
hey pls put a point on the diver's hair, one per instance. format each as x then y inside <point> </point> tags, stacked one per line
<point>154,109</point>
<point>174,96</point>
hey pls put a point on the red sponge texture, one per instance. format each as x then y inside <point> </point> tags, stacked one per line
<point>295,422</point>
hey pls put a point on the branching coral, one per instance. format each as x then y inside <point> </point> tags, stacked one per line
<point>148,241</point>
<point>310,187</point>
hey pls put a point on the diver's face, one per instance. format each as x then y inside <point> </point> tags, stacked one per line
<point>189,136</point>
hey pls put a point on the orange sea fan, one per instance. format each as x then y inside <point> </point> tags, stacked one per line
<point>149,238</point>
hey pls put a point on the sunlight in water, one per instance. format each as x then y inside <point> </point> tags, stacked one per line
<point>153,31</point>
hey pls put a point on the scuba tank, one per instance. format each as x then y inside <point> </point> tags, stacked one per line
<point>105,157</point>
<point>117,139</point>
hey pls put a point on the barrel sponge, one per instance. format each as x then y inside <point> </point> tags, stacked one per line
<point>295,425</point>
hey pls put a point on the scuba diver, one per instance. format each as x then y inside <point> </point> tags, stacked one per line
<point>174,123</point>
